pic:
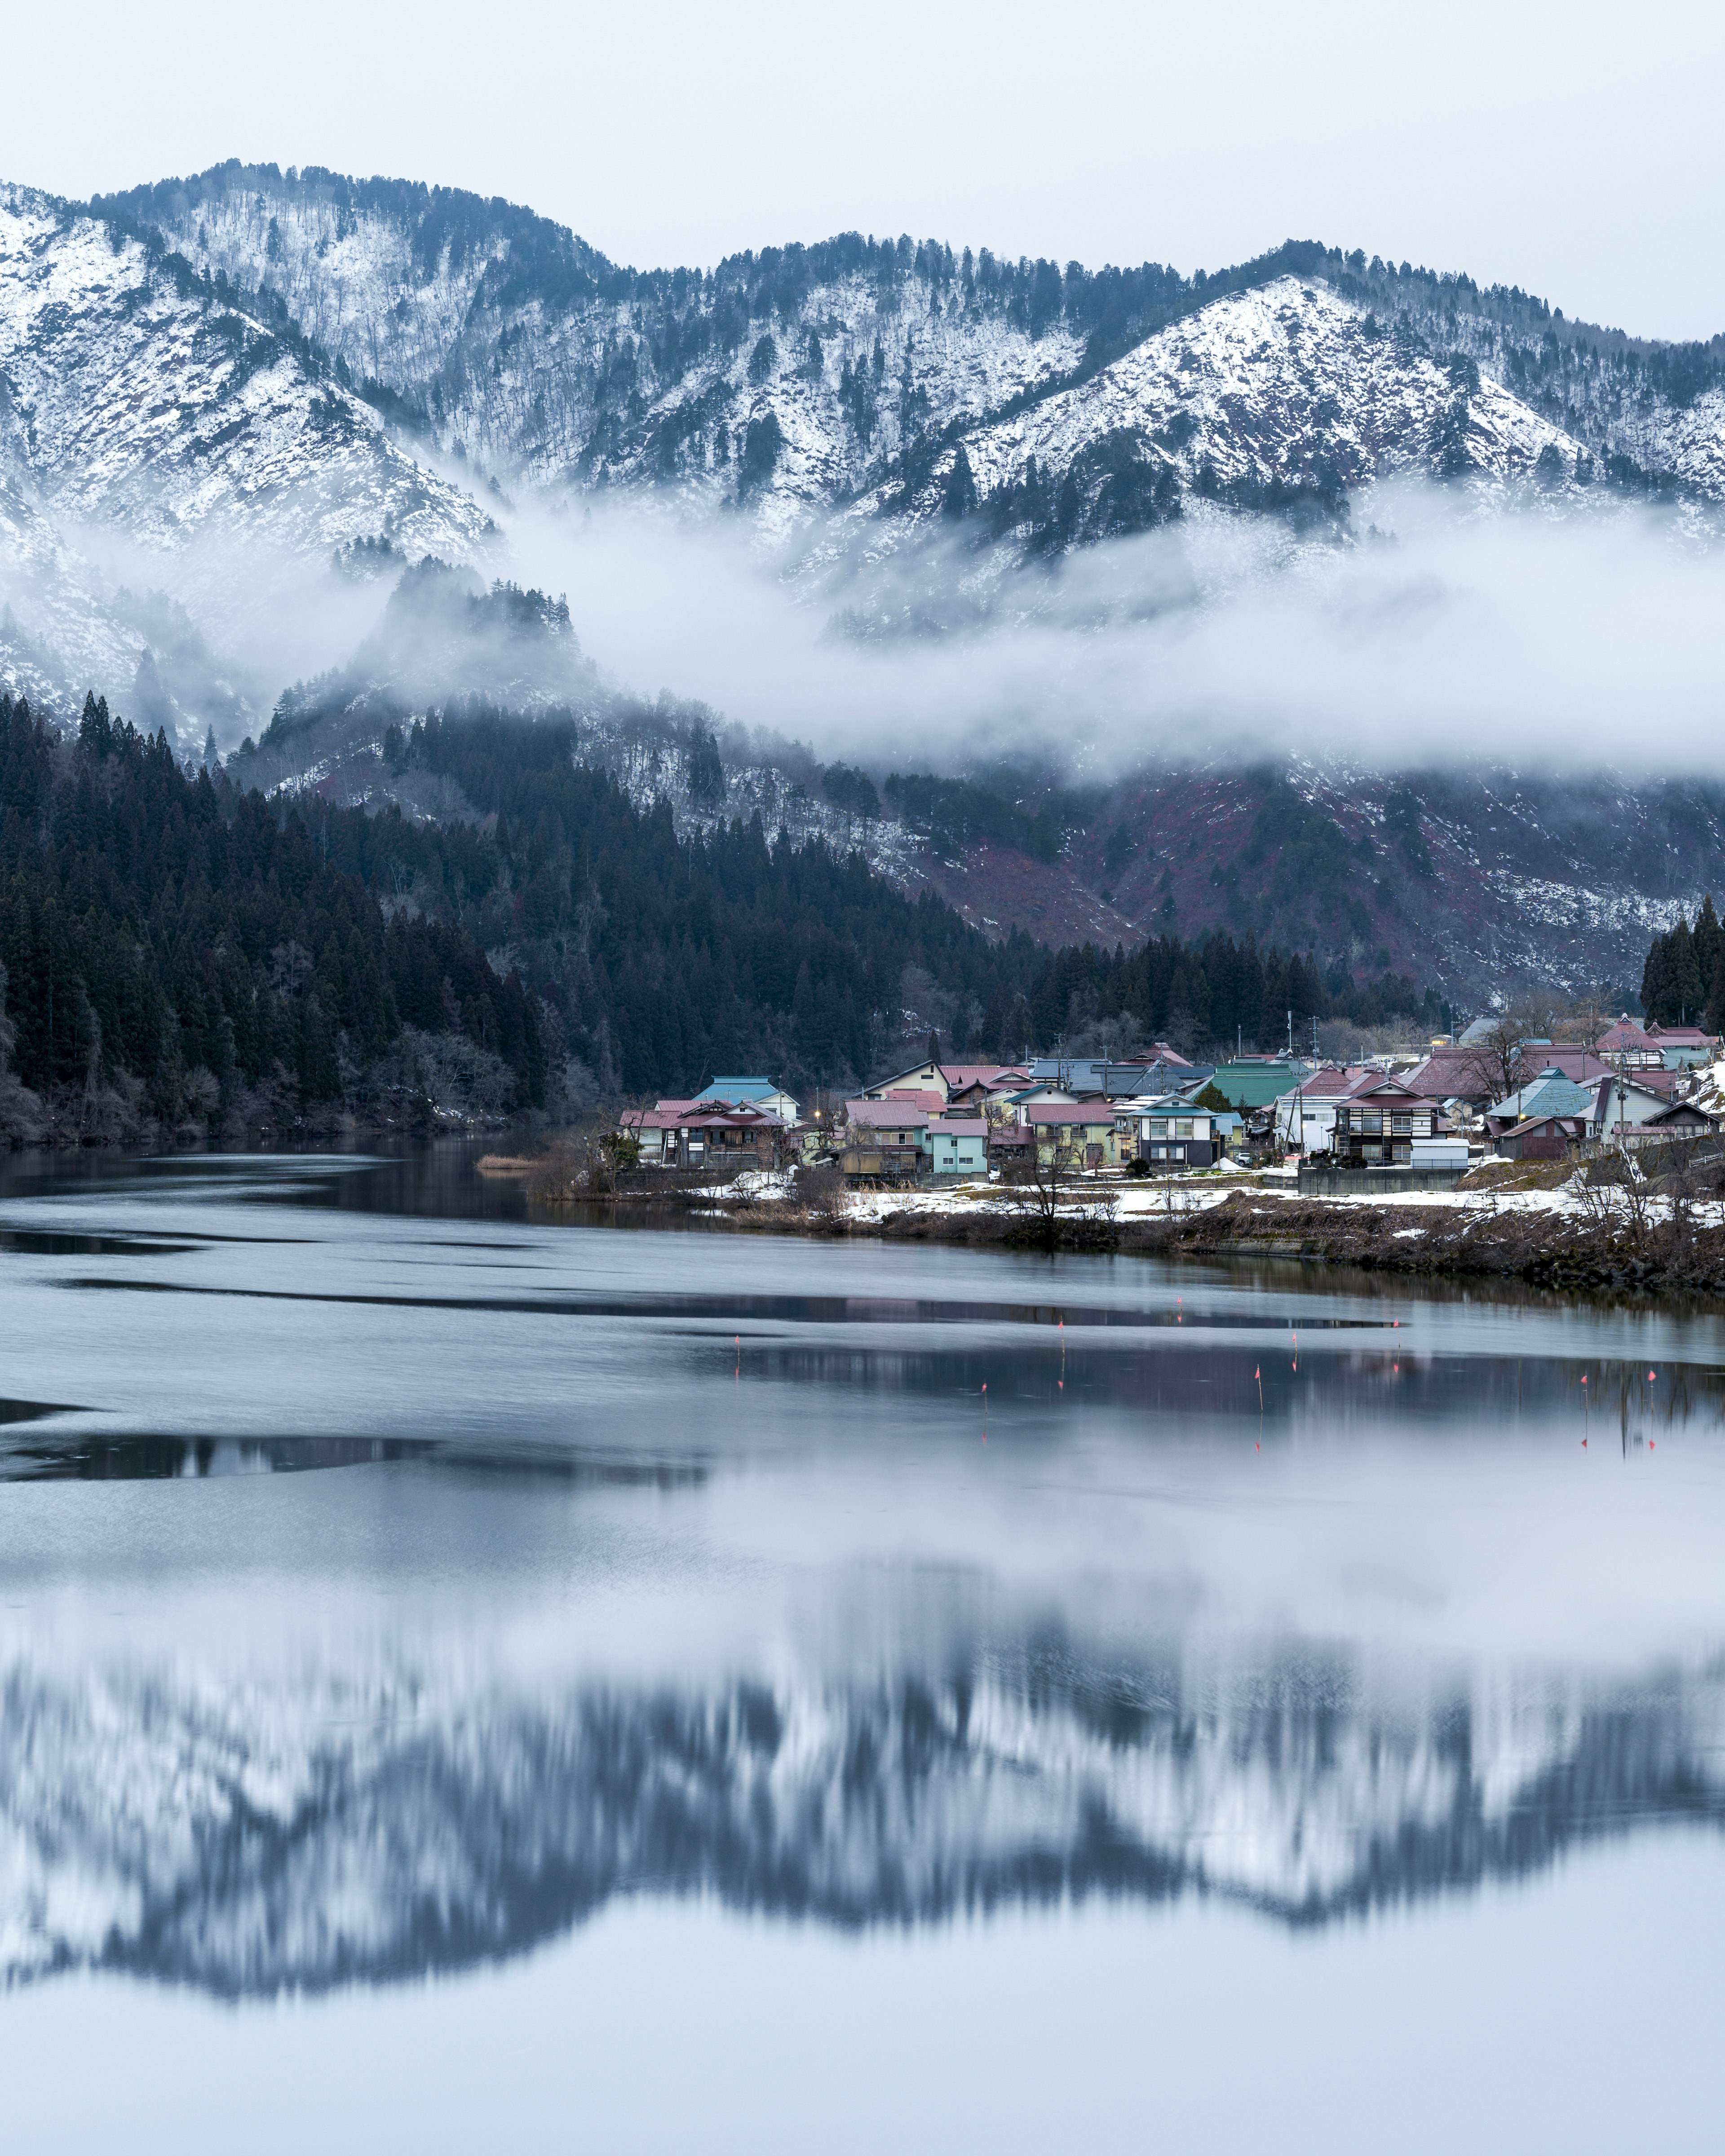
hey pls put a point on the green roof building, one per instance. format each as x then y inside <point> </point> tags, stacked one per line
<point>1251,1083</point>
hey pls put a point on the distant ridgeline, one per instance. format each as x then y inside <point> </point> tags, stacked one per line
<point>176,952</point>
<point>1683,982</point>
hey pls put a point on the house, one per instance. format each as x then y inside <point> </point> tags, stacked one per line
<point>1254,1081</point>
<point>1377,1124</point>
<point>1008,1144</point>
<point>885,1140</point>
<point>1623,1105</point>
<point>1039,1089</point>
<point>1539,1138</point>
<point>1077,1133</point>
<point>969,1084</point>
<point>1682,1047</point>
<point>654,1131</point>
<point>1476,1075</point>
<point>705,1134</point>
<point>1172,1134</point>
<point>1551,1094</point>
<point>755,1093</point>
<point>920,1076</point>
<point>1628,1046</point>
<point>927,1100</point>
<point>958,1145</point>
<point>1096,1078</point>
<point>950,1080</point>
<point>1305,1116</point>
<point>1681,1119</point>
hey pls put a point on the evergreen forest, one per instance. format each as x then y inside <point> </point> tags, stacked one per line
<point>182,957</point>
<point>1683,982</point>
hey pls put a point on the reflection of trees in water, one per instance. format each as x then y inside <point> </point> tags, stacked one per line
<point>375,1823</point>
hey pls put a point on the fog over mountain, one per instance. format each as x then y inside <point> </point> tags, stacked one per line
<point>1126,532</point>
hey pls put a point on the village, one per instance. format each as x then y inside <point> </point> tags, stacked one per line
<point>1390,1124</point>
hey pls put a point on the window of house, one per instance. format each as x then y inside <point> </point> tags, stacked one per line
<point>1182,1129</point>
<point>1372,1124</point>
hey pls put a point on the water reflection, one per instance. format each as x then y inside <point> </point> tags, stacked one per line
<point>378,1821</point>
<point>1302,1596</point>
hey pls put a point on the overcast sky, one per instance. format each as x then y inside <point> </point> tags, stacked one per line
<point>1575,150</point>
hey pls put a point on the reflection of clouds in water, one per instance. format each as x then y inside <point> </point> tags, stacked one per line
<point>372,1820</point>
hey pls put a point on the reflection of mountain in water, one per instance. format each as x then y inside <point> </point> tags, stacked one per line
<point>374,1825</point>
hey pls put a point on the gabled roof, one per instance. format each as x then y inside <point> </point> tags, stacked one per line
<point>913,1097</point>
<point>959,1126</point>
<point>667,1116</point>
<point>1550,1094</point>
<point>886,1115</point>
<point>1673,1108</point>
<point>960,1077</point>
<point>1105,1077</point>
<point>1680,1036</point>
<point>1334,1082</point>
<point>1533,1123</point>
<point>721,1116</point>
<point>1624,1036</point>
<point>925,1073</point>
<point>1061,1113</point>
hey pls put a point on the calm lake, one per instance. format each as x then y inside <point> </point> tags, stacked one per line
<point>473,1684</point>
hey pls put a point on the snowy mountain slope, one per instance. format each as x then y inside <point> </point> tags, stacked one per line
<point>1287,385</point>
<point>154,435</point>
<point>529,351</point>
<point>145,405</point>
<point>536,356</point>
<point>373,1819</point>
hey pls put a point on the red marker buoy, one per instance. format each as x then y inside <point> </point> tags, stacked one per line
<point>1652,1376</point>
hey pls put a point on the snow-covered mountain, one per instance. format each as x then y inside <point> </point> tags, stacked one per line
<point>375,1820</point>
<point>799,377</point>
<point>236,409</point>
<point>154,437</point>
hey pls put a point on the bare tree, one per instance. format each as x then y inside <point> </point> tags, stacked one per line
<point>1498,1061</point>
<point>1038,1185</point>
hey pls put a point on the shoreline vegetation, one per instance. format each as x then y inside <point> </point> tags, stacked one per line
<point>1546,1225</point>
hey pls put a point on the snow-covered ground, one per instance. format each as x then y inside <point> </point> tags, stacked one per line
<point>1136,1200</point>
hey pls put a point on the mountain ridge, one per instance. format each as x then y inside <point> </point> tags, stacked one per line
<point>501,288</point>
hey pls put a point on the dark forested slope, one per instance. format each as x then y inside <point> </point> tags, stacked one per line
<point>183,956</point>
<point>179,958</point>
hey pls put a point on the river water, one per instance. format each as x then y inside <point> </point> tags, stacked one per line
<point>470,1682</point>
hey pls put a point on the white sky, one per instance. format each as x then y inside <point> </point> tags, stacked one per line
<point>1575,150</point>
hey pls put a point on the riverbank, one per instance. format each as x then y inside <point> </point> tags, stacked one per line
<point>1541,1224</point>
